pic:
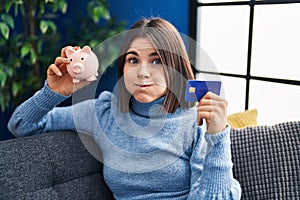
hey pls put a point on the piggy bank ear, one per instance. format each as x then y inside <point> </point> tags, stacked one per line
<point>86,49</point>
<point>69,51</point>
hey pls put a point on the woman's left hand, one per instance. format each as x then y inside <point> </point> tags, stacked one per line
<point>213,109</point>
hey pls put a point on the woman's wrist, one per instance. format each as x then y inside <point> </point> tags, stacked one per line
<point>57,91</point>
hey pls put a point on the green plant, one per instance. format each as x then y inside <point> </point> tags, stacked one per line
<point>29,46</point>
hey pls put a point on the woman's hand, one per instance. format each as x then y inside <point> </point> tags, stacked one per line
<point>213,109</point>
<point>58,78</point>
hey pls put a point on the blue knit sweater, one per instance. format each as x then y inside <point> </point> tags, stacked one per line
<point>146,154</point>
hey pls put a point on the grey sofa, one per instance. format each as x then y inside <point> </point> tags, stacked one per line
<point>57,166</point>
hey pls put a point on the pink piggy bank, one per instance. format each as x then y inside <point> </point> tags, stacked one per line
<point>83,64</point>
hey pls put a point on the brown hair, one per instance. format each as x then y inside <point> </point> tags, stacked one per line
<point>171,50</point>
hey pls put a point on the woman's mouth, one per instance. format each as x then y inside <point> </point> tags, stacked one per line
<point>144,85</point>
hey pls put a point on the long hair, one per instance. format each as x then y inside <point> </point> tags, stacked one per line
<point>171,49</point>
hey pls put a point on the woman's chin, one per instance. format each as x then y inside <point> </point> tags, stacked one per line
<point>143,98</point>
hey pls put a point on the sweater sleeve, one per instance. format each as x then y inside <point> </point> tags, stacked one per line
<point>39,114</point>
<point>211,165</point>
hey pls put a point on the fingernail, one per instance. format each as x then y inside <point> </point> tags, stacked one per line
<point>59,73</point>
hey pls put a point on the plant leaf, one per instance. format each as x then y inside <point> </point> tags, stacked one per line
<point>4,30</point>
<point>15,89</point>
<point>25,50</point>
<point>33,56</point>
<point>44,26</point>
<point>63,5</point>
<point>96,12</point>
<point>105,13</point>
<point>8,20</point>
<point>39,46</point>
<point>52,25</point>
<point>7,6</point>
<point>3,78</point>
<point>9,72</point>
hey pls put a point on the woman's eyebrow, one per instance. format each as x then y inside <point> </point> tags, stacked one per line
<point>153,54</point>
<point>136,54</point>
<point>132,52</point>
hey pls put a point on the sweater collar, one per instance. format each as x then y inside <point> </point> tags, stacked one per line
<point>152,109</point>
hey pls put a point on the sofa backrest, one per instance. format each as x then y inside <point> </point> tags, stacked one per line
<point>267,161</point>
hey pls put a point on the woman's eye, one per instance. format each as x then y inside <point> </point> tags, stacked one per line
<point>133,60</point>
<point>156,61</point>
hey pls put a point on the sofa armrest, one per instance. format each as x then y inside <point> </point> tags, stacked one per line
<point>267,161</point>
<point>50,166</point>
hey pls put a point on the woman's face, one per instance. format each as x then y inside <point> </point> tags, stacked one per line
<point>143,71</point>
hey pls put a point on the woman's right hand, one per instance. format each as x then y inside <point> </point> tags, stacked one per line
<point>58,77</point>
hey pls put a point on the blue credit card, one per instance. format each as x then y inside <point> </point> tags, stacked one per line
<point>196,89</point>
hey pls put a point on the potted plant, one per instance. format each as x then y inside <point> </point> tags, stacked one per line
<point>30,39</point>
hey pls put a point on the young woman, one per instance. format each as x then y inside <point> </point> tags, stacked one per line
<point>155,145</point>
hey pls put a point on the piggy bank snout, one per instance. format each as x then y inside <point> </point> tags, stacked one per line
<point>77,68</point>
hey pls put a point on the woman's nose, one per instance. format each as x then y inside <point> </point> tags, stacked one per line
<point>143,71</point>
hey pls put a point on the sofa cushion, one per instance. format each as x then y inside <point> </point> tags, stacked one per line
<point>243,119</point>
<point>267,161</point>
<point>50,166</point>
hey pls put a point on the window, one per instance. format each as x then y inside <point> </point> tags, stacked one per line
<point>253,47</point>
